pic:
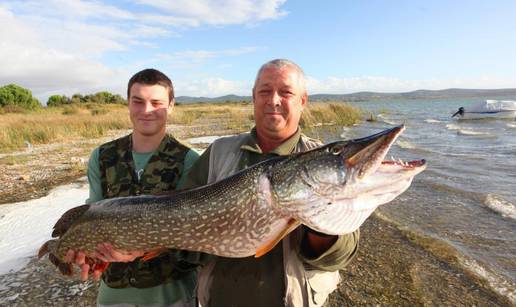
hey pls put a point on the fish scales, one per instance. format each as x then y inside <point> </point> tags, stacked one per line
<point>331,189</point>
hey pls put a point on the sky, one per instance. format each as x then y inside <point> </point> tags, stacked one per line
<point>214,48</point>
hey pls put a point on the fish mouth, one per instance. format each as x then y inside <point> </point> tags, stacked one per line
<point>366,156</point>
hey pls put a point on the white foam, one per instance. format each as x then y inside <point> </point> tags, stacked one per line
<point>432,121</point>
<point>452,127</point>
<point>25,226</point>
<point>472,133</point>
<point>345,132</point>
<point>501,206</point>
<point>510,125</point>
<point>500,285</point>
<point>390,122</point>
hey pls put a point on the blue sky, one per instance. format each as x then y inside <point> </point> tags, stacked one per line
<point>214,48</point>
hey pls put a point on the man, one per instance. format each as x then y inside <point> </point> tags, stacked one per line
<point>303,269</point>
<point>147,161</point>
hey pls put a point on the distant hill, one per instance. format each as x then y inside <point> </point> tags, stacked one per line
<point>364,96</point>
<point>226,98</point>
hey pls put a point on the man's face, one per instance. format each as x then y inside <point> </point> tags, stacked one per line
<point>148,108</point>
<point>279,98</point>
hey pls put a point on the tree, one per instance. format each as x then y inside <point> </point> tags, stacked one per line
<point>57,100</point>
<point>15,95</point>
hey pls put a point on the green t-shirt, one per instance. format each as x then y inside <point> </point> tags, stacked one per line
<point>164,294</point>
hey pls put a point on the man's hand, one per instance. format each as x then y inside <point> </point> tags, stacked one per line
<point>107,253</point>
<point>104,253</point>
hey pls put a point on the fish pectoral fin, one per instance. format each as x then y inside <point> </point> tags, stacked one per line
<point>291,225</point>
<point>153,254</point>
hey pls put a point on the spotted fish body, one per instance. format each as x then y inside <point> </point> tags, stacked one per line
<point>332,189</point>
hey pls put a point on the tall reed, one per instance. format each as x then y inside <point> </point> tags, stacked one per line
<point>58,125</point>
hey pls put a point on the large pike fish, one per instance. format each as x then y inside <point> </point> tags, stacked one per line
<point>331,189</point>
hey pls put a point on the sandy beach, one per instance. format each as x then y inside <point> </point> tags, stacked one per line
<point>392,267</point>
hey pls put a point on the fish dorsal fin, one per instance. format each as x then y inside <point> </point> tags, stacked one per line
<point>153,254</point>
<point>67,219</point>
<point>291,225</point>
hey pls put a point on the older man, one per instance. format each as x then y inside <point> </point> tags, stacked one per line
<point>303,269</point>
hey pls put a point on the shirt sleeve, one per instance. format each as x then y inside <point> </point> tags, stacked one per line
<point>337,257</point>
<point>94,178</point>
<point>198,174</point>
<point>191,156</point>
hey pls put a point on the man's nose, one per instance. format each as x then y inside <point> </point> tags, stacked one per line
<point>147,107</point>
<point>275,99</point>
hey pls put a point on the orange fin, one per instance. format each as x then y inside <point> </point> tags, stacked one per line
<point>153,254</point>
<point>291,225</point>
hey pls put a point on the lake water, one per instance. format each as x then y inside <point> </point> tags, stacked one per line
<point>467,195</point>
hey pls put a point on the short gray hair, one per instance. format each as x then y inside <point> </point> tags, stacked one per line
<point>280,63</point>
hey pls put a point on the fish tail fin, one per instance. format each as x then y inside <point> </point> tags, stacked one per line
<point>64,268</point>
<point>49,248</point>
<point>67,219</point>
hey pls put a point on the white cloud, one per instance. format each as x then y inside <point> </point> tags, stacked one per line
<point>57,46</point>
<point>212,87</point>
<point>219,12</point>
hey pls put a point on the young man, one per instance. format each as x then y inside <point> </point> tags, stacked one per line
<point>303,269</point>
<point>147,161</point>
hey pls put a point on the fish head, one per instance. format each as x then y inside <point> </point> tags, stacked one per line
<point>326,187</point>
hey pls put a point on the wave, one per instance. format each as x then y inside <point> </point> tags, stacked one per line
<point>472,133</point>
<point>510,125</point>
<point>499,284</point>
<point>345,133</point>
<point>390,122</point>
<point>500,206</point>
<point>449,251</point>
<point>452,127</point>
<point>433,121</point>
<point>405,144</point>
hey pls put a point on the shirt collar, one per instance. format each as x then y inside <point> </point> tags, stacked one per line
<point>285,148</point>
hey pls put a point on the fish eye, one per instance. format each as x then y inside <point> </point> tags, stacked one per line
<point>335,150</point>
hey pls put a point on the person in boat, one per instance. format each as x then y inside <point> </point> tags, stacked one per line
<point>459,112</point>
<point>147,161</point>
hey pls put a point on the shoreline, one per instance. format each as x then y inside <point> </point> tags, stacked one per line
<point>391,267</point>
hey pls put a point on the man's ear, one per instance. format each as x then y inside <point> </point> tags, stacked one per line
<point>304,100</point>
<point>171,106</point>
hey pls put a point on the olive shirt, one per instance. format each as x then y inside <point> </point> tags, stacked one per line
<point>165,294</point>
<point>260,281</point>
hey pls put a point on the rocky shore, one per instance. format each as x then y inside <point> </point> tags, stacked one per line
<point>389,270</point>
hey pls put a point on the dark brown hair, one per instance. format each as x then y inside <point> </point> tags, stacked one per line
<point>151,76</point>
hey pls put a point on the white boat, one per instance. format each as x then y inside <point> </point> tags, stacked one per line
<point>502,109</point>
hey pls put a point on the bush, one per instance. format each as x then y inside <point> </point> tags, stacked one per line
<point>14,95</point>
<point>70,110</point>
<point>57,100</point>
